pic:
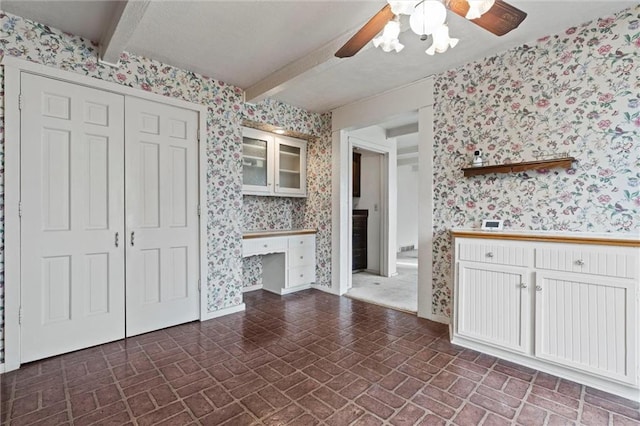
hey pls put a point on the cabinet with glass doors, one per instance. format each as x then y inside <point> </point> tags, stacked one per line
<point>273,165</point>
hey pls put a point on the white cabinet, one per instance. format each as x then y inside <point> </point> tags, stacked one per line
<point>288,261</point>
<point>567,309</point>
<point>492,300</point>
<point>273,165</point>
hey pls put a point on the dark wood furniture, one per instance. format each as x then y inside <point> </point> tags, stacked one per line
<point>359,240</point>
<point>356,174</point>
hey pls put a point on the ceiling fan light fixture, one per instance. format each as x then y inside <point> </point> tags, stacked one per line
<point>427,17</point>
<point>402,7</point>
<point>388,40</point>
<point>441,41</point>
<point>477,8</point>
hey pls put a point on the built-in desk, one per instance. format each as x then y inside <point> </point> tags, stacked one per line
<point>288,258</point>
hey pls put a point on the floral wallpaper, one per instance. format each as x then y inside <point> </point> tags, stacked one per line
<point>576,92</point>
<point>41,44</point>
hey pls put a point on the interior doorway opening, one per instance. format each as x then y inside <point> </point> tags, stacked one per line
<point>384,217</point>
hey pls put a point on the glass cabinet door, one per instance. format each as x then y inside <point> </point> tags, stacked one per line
<point>290,166</point>
<point>254,161</point>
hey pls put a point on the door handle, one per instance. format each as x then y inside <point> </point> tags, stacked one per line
<point>133,234</point>
<point>117,239</point>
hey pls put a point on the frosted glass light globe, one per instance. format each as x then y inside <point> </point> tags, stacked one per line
<point>427,16</point>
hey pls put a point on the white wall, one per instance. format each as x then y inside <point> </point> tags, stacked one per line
<point>370,199</point>
<point>407,233</point>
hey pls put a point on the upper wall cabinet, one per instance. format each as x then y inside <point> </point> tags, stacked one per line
<point>273,165</point>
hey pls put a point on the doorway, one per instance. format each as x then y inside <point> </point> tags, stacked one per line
<point>397,290</point>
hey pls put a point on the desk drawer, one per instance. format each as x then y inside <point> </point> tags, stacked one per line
<point>302,275</point>
<point>302,241</point>
<point>619,262</point>
<point>254,246</point>
<point>494,252</point>
<point>302,256</point>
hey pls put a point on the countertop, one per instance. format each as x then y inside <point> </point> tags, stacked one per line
<point>276,233</point>
<point>602,238</point>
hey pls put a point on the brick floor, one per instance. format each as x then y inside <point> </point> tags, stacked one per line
<point>302,359</point>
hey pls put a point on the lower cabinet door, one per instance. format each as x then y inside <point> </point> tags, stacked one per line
<point>588,322</point>
<point>493,305</point>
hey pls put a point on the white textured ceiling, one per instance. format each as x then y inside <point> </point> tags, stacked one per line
<point>242,42</point>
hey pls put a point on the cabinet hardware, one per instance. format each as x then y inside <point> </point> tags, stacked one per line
<point>266,245</point>
<point>523,285</point>
<point>580,262</point>
<point>490,254</point>
<point>538,288</point>
<point>117,239</point>
<point>133,238</point>
<point>301,257</point>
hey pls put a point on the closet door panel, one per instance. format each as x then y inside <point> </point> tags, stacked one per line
<point>72,194</point>
<point>162,217</point>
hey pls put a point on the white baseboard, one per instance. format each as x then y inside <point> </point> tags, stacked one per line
<point>325,288</point>
<point>222,312</point>
<point>252,288</point>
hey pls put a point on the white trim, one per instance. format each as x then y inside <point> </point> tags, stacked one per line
<point>202,208</point>
<point>425,215</point>
<point>222,312</point>
<point>249,288</point>
<point>1,368</point>
<point>367,112</point>
<point>324,288</point>
<point>11,219</point>
<point>13,69</point>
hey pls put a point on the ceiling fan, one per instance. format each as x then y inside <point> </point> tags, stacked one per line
<point>499,18</point>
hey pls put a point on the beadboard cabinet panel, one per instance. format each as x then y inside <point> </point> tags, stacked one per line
<point>570,309</point>
<point>492,301</point>
<point>586,322</point>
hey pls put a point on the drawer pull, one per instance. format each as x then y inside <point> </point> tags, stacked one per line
<point>489,254</point>
<point>301,257</point>
<point>580,262</point>
<point>523,285</point>
<point>266,245</point>
<point>301,242</point>
<point>301,275</point>
<point>538,288</point>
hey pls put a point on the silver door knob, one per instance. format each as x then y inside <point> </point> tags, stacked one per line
<point>580,262</point>
<point>538,288</point>
<point>489,254</point>
<point>523,285</point>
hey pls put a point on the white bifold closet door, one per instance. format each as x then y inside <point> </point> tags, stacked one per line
<point>162,216</point>
<point>72,225</point>
<point>109,225</point>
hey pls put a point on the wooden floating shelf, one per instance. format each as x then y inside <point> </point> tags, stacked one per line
<point>564,162</point>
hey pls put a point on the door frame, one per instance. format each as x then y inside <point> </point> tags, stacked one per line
<point>387,157</point>
<point>13,68</point>
<point>415,96</point>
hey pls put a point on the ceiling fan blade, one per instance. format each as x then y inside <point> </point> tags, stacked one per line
<point>366,33</point>
<point>499,20</point>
